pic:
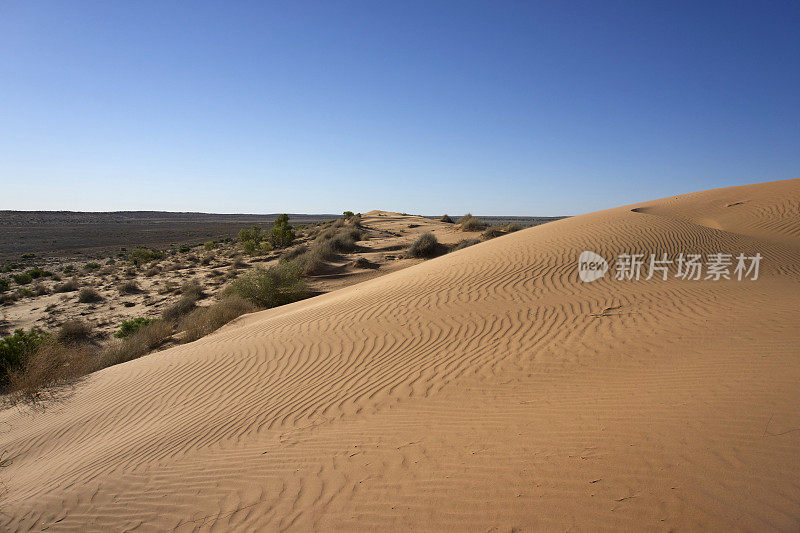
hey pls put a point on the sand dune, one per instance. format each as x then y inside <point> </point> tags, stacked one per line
<point>488,389</point>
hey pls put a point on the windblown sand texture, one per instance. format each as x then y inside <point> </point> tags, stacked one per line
<point>488,389</point>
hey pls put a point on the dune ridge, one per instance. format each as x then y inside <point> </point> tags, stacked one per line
<point>488,388</point>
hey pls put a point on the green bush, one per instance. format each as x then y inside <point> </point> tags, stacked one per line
<point>22,278</point>
<point>37,273</point>
<point>184,248</point>
<point>446,218</point>
<point>4,284</point>
<point>270,287</point>
<point>129,327</point>
<point>282,234</point>
<point>15,349</point>
<point>252,234</point>
<point>141,255</point>
<point>91,266</point>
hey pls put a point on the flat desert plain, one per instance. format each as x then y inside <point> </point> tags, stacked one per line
<point>489,389</point>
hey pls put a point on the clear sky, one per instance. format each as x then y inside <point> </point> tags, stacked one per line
<point>516,108</point>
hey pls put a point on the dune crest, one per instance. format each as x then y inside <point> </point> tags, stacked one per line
<point>488,388</point>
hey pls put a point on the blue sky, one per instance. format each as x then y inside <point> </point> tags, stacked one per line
<point>515,108</point>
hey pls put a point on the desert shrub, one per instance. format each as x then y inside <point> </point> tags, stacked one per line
<point>512,227</point>
<point>206,259</point>
<point>129,327</point>
<point>192,289</point>
<point>143,341</point>
<point>239,262</point>
<point>37,273</point>
<point>50,365</point>
<point>363,262</point>
<point>426,245</point>
<point>68,286</point>
<point>74,332</point>
<point>348,214</point>
<point>23,278</point>
<point>89,295</point>
<point>181,307</point>
<point>4,284</point>
<point>282,234</point>
<point>492,232</point>
<point>141,255</point>
<point>8,299</point>
<point>252,234</point>
<point>464,244</point>
<point>154,270</point>
<point>209,245</point>
<point>28,255</point>
<point>129,287</point>
<point>24,292</point>
<point>67,269</point>
<point>295,252</point>
<point>471,223</point>
<point>40,290</point>
<point>15,349</point>
<point>91,266</point>
<point>446,218</point>
<point>314,259</point>
<point>184,248</point>
<point>205,320</point>
<point>270,287</point>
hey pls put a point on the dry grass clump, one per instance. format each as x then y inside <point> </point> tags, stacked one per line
<point>425,246</point>
<point>74,332</point>
<point>89,295</point>
<point>183,306</point>
<point>337,238</point>
<point>129,287</point>
<point>40,290</point>
<point>464,244</point>
<point>68,286</point>
<point>499,230</point>
<point>143,341</point>
<point>192,289</point>
<point>363,262</point>
<point>51,365</point>
<point>205,320</point>
<point>471,223</point>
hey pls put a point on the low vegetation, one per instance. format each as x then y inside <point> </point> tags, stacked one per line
<point>89,295</point>
<point>270,287</point>
<point>129,327</point>
<point>205,320</point>
<point>471,223</point>
<point>425,246</point>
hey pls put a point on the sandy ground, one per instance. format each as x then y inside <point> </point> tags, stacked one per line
<point>485,390</point>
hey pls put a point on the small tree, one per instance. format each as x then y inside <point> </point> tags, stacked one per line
<point>282,234</point>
